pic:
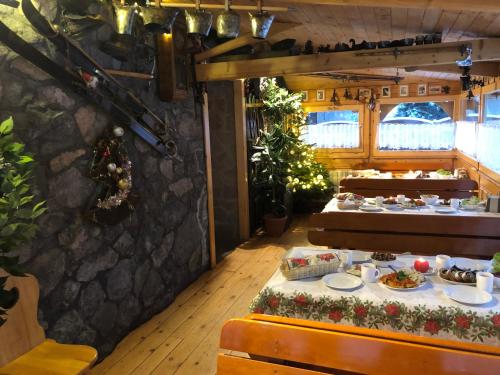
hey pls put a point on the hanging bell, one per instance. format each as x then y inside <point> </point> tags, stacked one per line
<point>158,20</point>
<point>228,23</point>
<point>198,22</point>
<point>125,18</point>
<point>261,24</point>
<point>122,42</point>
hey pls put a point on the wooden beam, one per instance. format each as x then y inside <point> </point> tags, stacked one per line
<point>423,55</point>
<point>484,68</point>
<point>241,158</point>
<point>243,40</point>
<point>492,6</point>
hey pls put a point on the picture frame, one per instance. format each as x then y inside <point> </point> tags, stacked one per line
<point>404,90</point>
<point>365,93</point>
<point>435,90</point>
<point>320,95</point>
<point>305,95</point>
<point>386,91</point>
<point>422,89</point>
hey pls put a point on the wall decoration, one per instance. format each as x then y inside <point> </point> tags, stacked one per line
<point>403,90</point>
<point>386,92</point>
<point>305,95</point>
<point>435,90</point>
<point>364,93</point>
<point>320,95</point>
<point>422,89</point>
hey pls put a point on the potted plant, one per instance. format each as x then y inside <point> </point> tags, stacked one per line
<point>18,211</point>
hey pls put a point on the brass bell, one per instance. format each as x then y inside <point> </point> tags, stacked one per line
<point>125,18</point>
<point>157,20</point>
<point>228,23</point>
<point>261,24</point>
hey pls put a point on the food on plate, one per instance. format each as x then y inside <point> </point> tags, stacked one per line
<point>383,256</point>
<point>446,202</point>
<point>470,203</point>
<point>349,196</point>
<point>355,270</point>
<point>429,199</point>
<point>311,260</point>
<point>412,203</point>
<point>390,200</point>
<point>458,275</point>
<point>444,172</point>
<point>403,279</point>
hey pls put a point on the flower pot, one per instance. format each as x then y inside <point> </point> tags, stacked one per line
<point>275,226</point>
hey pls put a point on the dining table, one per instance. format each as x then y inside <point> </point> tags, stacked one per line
<point>426,230</point>
<point>426,311</point>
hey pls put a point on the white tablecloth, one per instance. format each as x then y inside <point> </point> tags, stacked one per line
<point>425,311</point>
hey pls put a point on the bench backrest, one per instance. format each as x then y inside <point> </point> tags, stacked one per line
<point>21,332</point>
<point>300,347</point>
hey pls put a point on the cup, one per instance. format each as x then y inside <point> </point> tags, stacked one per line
<point>346,258</point>
<point>443,261</point>
<point>455,203</point>
<point>400,198</point>
<point>369,273</point>
<point>379,201</point>
<point>484,281</point>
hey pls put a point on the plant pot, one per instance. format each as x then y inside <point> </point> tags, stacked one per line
<point>275,226</point>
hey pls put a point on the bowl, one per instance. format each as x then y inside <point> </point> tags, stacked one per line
<point>429,199</point>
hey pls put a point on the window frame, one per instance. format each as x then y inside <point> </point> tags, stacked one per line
<point>410,154</point>
<point>364,132</point>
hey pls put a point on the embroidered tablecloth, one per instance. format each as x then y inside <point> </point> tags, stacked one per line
<point>426,311</point>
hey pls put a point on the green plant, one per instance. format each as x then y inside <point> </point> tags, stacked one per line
<point>18,210</point>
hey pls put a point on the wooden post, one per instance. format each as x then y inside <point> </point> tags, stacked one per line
<point>241,158</point>
<point>210,191</point>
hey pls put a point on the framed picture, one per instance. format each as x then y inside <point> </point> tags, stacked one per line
<point>305,95</point>
<point>320,95</point>
<point>422,89</point>
<point>365,93</point>
<point>403,90</point>
<point>434,90</point>
<point>386,91</point>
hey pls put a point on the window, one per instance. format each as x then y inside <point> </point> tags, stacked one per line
<point>466,133</point>
<point>333,129</point>
<point>416,126</point>
<point>489,133</point>
<point>470,109</point>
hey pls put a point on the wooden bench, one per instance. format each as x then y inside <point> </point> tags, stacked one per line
<point>23,347</point>
<point>263,344</point>
<point>469,236</point>
<point>412,188</point>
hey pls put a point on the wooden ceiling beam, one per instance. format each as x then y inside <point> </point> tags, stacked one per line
<point>490,6</point>
<point>480,68</point>
<point>424,55</point>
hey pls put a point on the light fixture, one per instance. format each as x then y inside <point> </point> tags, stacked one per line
<point>198,21</point>
<point>158,20</point>
<point>261,22</point>
<point>228,22</point>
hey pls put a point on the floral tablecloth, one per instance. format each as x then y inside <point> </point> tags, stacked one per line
<point>425,311</point>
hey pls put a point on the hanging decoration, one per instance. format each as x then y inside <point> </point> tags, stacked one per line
<point>111,168</point>
<point>335,98</point>
<point>260,22</point>
<point>228,22</point>
<point>198,21</point>
<point>372,102</point>
<point>158,20</point>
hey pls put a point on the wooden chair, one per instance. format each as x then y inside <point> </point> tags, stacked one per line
<point>23,347</point>
<point>412,188</point>
<point>477,237</point>
<point>286,346</point>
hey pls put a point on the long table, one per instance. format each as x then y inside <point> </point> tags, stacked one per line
<point>423,231</point>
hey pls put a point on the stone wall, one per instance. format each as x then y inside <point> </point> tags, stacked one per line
<point>98,282</point>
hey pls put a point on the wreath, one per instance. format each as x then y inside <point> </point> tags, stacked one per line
<point>111,168</point>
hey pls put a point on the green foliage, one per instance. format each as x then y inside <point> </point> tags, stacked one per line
<point>283,159</point>
<point>18,210</point>
<point>425,110</point>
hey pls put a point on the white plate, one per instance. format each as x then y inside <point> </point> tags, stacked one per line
<point>429,272</point>
<point>471,264</point>
<point>402,289</point>
<point>456,282</point>
<point>446,210</point>
<point>370,208</point>
<point>341,281</point>
<point>392,206</point>
<point>359,256</point>
<point>468,295</point>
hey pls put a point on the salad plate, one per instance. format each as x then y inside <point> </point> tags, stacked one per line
<point>341,281</point>
<point>467,295</point>
<point>405,279</point>
<point>445,210</point>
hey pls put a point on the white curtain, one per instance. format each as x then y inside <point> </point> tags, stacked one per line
<point>416,136</point>
<point>488,149</point>
<point>333,135</point>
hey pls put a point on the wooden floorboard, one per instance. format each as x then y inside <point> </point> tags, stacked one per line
<point>184,338</point>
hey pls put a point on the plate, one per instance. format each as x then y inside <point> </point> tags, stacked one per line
<point>456,282</point>
<point>468,295</point>
<point>392,206</point>
<point>446,210</point>
<point>360,256</point>
<point>383,263</point>
<point>341,281</point>
<point>402,289</point>
<point>370,209</point>
<point>471,264</point>
<point>429,272</point>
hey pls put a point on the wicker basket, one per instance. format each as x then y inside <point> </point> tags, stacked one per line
<point>308,271</point>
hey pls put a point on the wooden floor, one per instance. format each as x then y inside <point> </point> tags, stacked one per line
<point>184,338</point>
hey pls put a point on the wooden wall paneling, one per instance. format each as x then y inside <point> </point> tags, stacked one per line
<point>210,191</point>
<point>241,159</point>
